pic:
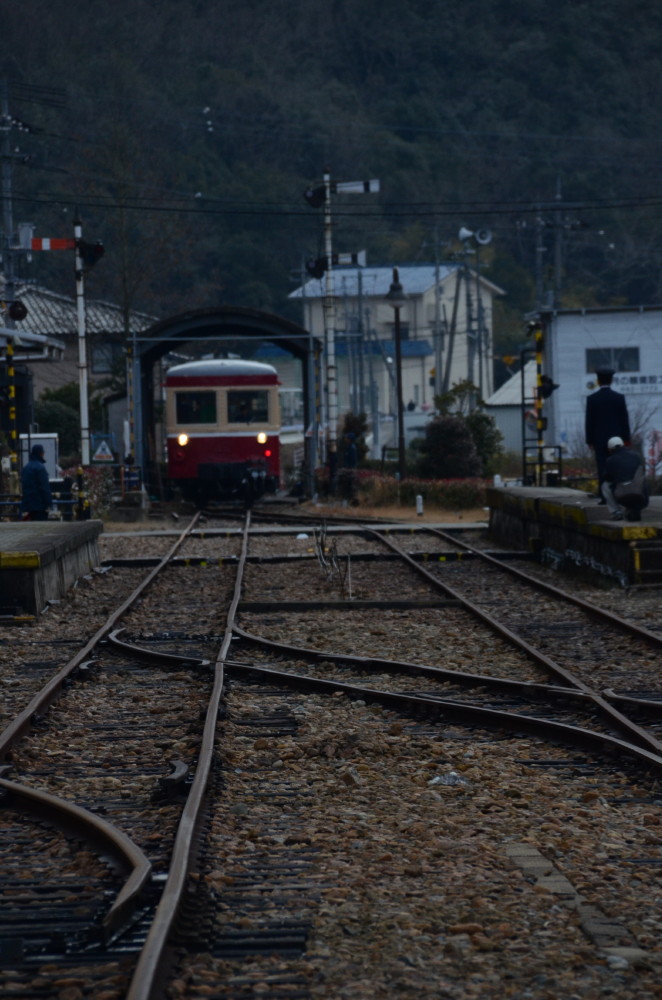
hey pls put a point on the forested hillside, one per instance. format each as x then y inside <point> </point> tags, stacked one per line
<point>186,133</point>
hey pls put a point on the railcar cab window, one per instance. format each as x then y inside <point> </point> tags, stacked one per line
<point>621,359</point>
<point>248,406</point>
<point>196,407</point>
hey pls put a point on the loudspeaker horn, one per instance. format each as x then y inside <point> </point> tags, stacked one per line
<point>483,236</point>
<point>465,234</point>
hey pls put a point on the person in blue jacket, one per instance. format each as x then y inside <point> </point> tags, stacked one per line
<point>36,499</point>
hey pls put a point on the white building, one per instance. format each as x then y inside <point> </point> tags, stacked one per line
<point>445,328</point>
<point>630,341</point>
<point>505,405</point>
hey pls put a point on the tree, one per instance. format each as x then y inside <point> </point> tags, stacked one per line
<point>55,417</point>
<point>356,424</point>
<point>465,403</point>
<point>69,396</point>
<point>486,436</point>
<point>448,450</point>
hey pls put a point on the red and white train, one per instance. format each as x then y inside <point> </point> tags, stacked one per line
<point>223,429</point>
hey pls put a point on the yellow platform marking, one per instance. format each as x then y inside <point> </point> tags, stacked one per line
<point>19,560</point>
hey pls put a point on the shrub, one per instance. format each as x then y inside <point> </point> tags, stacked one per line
<point>452,494</point>
<point>448,449</point>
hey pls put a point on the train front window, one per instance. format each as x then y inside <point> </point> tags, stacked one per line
<point>196,407</point>
<point>248,406</point>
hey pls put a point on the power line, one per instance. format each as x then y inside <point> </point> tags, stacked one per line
<point>206,206</point>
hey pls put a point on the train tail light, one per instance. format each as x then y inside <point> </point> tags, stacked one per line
<point>267,453</point>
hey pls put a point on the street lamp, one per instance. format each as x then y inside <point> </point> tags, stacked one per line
<point>396,298</point>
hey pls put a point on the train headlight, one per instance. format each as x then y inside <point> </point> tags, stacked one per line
<point>182,439</point>
<point>262,438</point>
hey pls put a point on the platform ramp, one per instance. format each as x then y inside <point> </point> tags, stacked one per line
<point>571,531</point>
<point>41,560</point>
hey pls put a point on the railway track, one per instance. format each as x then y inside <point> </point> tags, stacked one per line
<point>235,891</point>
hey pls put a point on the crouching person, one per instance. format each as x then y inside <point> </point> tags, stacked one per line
<point>624,489</point>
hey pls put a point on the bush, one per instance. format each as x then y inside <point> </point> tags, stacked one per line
<point>448,449</point>
<point>55,417</point>
<point>451,494</point>
<point>99,482</point>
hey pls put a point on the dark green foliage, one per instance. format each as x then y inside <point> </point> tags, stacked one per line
<point>355,424</point>
<point>448,450</point>
<point>69,396</point>
<point>55,417</point>
<point>487,438</point>
<point>463,401</point>
<point>188,131</point>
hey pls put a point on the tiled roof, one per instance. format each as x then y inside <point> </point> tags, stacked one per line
<point>51,314</point>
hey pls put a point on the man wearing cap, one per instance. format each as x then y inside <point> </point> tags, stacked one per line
<point>624,488</point>
<point>36,499</point>
<point>606,417</point>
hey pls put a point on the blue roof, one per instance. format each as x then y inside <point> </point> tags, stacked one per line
<point>409,348</point>
<point>376,281</point>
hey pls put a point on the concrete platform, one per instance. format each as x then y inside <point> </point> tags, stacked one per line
<point>41,560</point>
<point>569,530</point>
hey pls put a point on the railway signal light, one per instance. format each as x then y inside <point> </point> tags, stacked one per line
<point>317,267</point>
<point>90,253</point>
<point>315,196</point>
<point>17,310</point>
<point>547,387</point>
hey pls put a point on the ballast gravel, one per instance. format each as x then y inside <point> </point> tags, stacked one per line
<point>455,864</point>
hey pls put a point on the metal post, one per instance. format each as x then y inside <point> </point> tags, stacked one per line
<point>396,298</point>
<point>361,342</point>
<point>398,378</point>
<point>330,331</point>
<point>540,420</point>
<point>310,418</point>
<point>11,390</point>
<point>82,350</point>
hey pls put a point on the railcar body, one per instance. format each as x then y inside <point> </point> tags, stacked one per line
<point>222,427</point>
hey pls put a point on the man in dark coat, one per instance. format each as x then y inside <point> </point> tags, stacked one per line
<point>625,487</point>
<point>36,499</point>
<point>606,417</point>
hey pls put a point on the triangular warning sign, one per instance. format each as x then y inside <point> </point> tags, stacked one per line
<point>103,453</point>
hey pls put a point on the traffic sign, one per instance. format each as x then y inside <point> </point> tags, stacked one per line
<point>103,453</point>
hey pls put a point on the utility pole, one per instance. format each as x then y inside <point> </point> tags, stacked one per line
<point>82,348</point>
<point>316,198</point>
<point>558,246</point>
<point>8,269</point>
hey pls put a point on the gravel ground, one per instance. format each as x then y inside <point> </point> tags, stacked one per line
<point>422,895</point>
<point>430,888</point>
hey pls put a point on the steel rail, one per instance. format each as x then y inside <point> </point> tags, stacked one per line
<point>453,711</point>
<point>461,678</point>
<point>147,981</point>
<point>380,665</point>
<point>96,831</point>
<point>634,732</point>
<point>50,691</point>
<point>66,814</point>
<point>609,617</point>
<point>168,660</point>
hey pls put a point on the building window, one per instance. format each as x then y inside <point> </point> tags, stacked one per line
<point>107,357</point>
<point>404,330</point>
<point>621,359</point>
<point>196,407</point>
